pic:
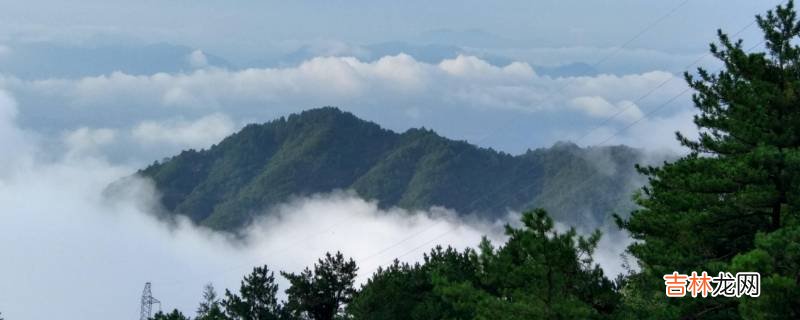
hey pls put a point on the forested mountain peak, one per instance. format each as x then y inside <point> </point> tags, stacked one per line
<point>326,149</point>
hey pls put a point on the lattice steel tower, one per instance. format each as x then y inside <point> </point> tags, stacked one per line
<point>147,303</point>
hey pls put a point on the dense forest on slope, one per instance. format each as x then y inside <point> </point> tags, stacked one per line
<point>730,206</point>
<point>325,149</point>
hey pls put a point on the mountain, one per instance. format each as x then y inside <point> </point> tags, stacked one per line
<point>44,60</point>
<point>325,149</point>
<point>474,38</point>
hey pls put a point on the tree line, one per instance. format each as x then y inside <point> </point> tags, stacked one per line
<point>730,205</point>
<point>538,273</point>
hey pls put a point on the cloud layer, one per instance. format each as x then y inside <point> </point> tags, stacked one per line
<point>88,255</point>
<point>509,107</point>
<point>199,133</point>
<point>464,80</point>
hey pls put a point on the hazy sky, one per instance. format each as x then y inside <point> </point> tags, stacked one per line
<point>92,90</point>
<point>118,65</point>
<point>235,28</point>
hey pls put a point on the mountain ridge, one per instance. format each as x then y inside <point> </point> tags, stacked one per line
<point>325,149</point>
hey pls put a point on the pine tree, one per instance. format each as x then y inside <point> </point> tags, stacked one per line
<point>539,273</point>
<point>257,298</point>
<point>404,291</point>
<point>777,256</point>
<point>323,293</point>
<point>210,308</point>
<point>174,315</point>
<point>739,182</point>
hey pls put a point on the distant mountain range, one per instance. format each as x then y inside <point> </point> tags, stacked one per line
<point>50,60</point>
<point>42,60</point>
<point>326,149</point>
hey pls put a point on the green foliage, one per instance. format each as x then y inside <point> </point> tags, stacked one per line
<point>538,274</point>
<point>733,200</point>
<point>403,291</point>
<point>777,257</point>
<point>210,307</point>
<point>325,149</point>
<point>174,315</point>
<point>257,298</point>
<point>323,293</point>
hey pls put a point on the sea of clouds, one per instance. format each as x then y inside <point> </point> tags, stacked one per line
<point>510,107</point>
<point>68,246</point>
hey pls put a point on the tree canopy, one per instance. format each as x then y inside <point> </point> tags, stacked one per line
<point>257,298</point>
<point>174,315</point>
<point>726,204</point>
<point>539,273</point>
<point>325,149</point>
<point>730,205</point>
<point>210,307</point>
<point>323,293</point>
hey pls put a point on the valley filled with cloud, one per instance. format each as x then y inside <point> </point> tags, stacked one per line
<point>63,234</point>
<point>91,95</point>
<point>68,138</point>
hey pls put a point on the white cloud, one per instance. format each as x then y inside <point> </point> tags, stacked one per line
<point>198,134</point>
<point>465,80</point>
<point>78,250</point>
<point>86,140</point>
<point>599,107</point>
<point>82,247</point>
<point>197,59</point>
<point>403,71</point>
<point>656,132</point>
<point>15,144</point>
<point>385,90</point>
<point>474,67</point>
<point>8,110</point>
<point>66,241</point>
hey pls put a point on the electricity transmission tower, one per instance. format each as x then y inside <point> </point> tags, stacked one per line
<point>147,303</point>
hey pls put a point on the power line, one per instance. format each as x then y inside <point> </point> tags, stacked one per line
<point>412,250</point>
<point>379,252</point>
<point>598,62</point>
<point>547,98</point>
<point>660,85</point>
<point>622,110</point>
<point>552,94</point>
<point>651,112</point>
<point>292,244</point>
<point>595,64</point>
<point>615,134</point>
